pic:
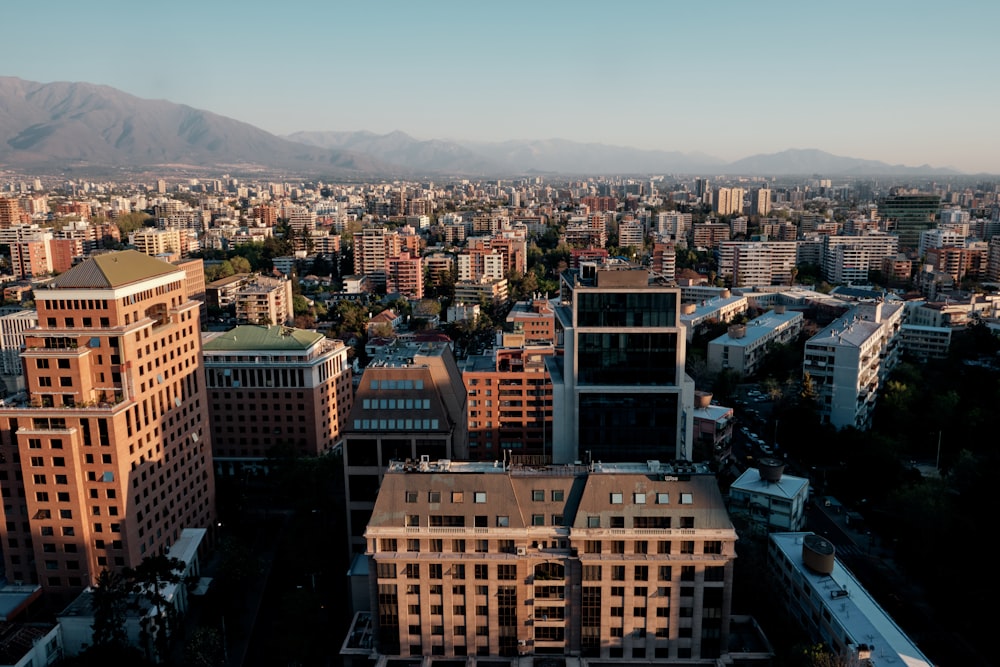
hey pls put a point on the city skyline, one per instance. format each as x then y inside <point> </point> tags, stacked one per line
<point>882,82</point>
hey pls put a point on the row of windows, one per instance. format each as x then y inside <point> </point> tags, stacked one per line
<point>641,498</point>
<point>396,404</point>
<point>397,384</point>
<point>458,545</point>
<point>396,424</point>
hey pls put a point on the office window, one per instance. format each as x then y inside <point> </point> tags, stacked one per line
<point>639,498</point>
<point>537,519</point>
<point>686,499</point>
<point>617,498</point>
<point>538,495</point>
<point>557,496</point>
<point>662,498</point>
<point>479,497</point>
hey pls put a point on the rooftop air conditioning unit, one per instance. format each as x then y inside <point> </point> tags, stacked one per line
<point>521,551</point>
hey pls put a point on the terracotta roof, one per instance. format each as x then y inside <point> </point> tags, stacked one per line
<point>114,269</point>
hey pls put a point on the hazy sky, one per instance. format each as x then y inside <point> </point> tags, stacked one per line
<point>908,82</point>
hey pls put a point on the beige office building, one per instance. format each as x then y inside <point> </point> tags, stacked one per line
<point>623,560</point>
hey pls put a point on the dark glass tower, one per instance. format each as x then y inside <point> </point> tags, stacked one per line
<point>619,389</point>
<point>910,214</point>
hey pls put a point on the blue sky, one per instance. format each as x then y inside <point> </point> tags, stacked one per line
<point>904,82</point>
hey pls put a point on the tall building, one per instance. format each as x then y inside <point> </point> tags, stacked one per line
<point>762,202</point>
<point>10,212</point>
<point>757,262</point>
<point>157,242</point>
<point>275,387</point>
<point>14,322</point>
<point>264,300</point>
<point>606,561</point>
<point>405,275</point>
<point>619,391</point>
<point>728,201</point>
<point>110,457</point>
<point>411,402</point>
<point>849,360</point>
<point>373,245</point>
<point>518,419</point>
<point>850,259</point>
<point>909,214</point>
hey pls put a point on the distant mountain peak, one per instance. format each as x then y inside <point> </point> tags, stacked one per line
<point>75,124</point>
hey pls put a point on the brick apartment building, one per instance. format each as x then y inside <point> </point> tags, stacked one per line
<point>510,402</point>
<point>272,387</point>
<point>109,457</point>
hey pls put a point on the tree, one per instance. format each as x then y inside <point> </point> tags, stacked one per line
<point>240,264</point>
<point>353,317</point>
<point>110,605</point>
<point>148,581</point>
<point>130,222</point>
<point>808,393</point>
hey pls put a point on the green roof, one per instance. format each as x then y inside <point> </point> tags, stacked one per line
<point>253,337</point>
<point>113,269</point>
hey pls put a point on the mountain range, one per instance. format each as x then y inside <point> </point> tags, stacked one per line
<point>55,127</point>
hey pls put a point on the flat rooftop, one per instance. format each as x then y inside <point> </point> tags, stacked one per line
<point>501,467</point>
<point>864,621</point>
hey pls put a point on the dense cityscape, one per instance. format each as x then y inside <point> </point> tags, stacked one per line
<point>670,419</point>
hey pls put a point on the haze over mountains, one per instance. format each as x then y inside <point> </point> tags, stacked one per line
<point>52,127</point>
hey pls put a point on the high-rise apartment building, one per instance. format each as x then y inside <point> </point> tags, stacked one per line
<point>373,245</point>
<point>264,300</point>
<point>273,388</point>
<point>728,201</point>
<point>619,388</point>
<point>518,419</point>
<point>10,212</point>
<point>762,202</point>
<point>709,234</point>
<point>14,322</point>
<point>405,275</point>
<point>110,456</point>
<point>158,242</point>
<point>850,259</point>
<point>757,263</point>
<point>850,359</point>
<point>629,561</point>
